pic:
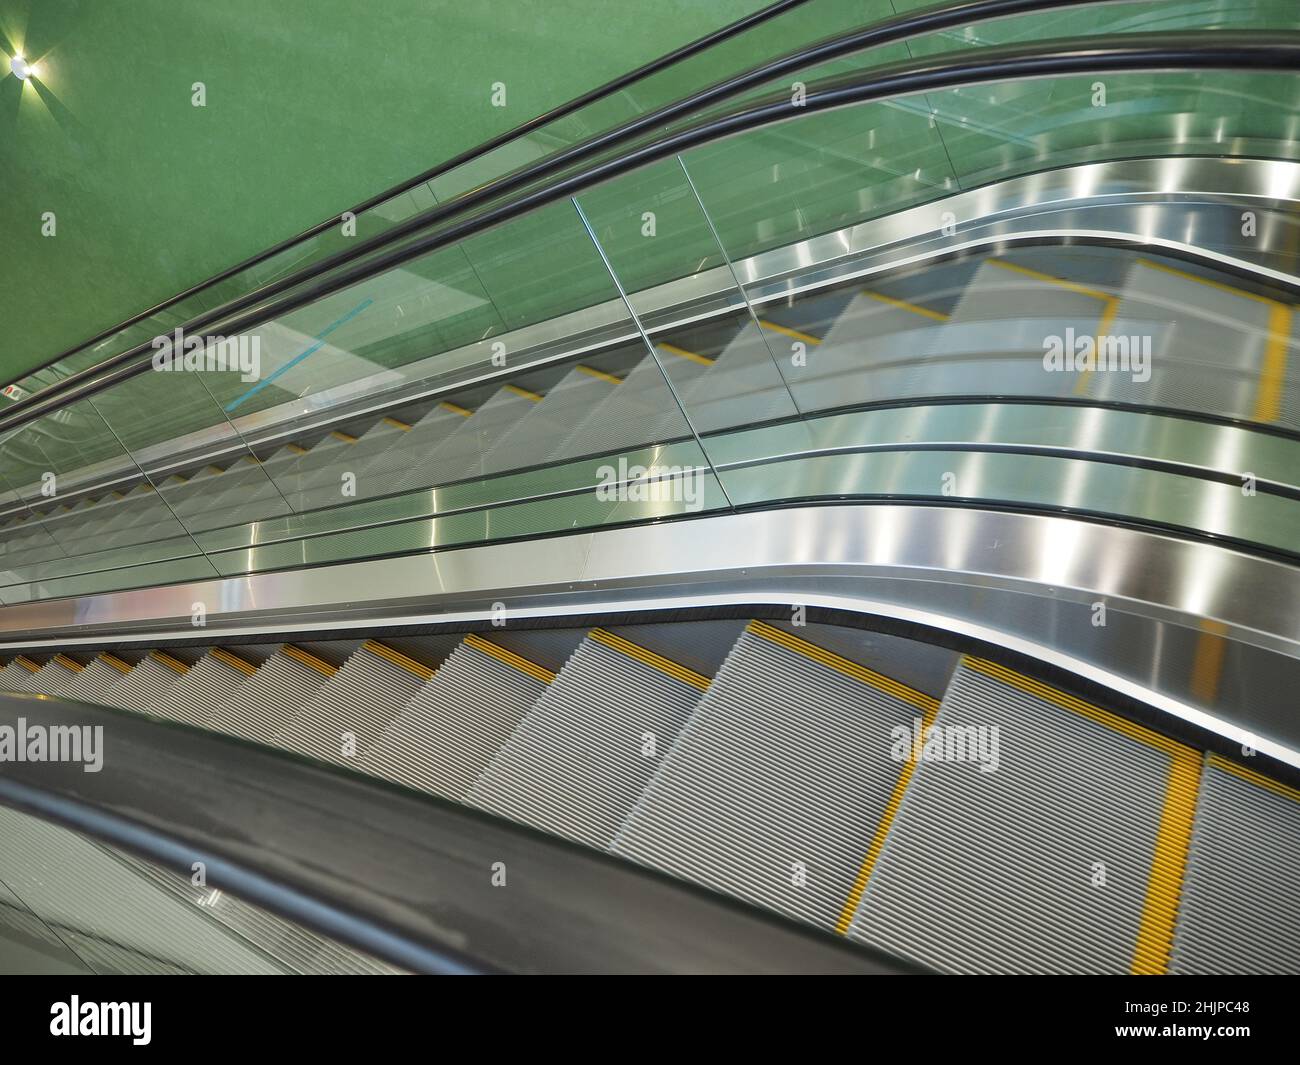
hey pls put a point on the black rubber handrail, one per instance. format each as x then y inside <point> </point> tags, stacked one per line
<point>1195,50</point>
<point>523,129</point>
<point>404,876</point>
<point>900,27</point>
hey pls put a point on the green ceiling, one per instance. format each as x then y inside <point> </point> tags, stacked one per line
<point>311,108</point>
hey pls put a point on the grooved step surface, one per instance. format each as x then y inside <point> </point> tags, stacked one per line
<point>454,725</point>
<point>147,682</point>
<point>351,709</point>
<point>993,872</point>
<point>786,761</point>
<point>262,705</point>
<point>575,764</point>
<point>210,682</point>
<point>1240,909</point>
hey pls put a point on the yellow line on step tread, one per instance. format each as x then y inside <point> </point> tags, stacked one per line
<point>174,664</point>
<point>455,408</point>
<point>27,664</point>
<point>881,834</point>
<point>904,305</point>
<point>115,662</point>
<point>308,659</point>
<point>347,438</point>
<point>1059,282</point>
<point>532,397</point>
<point>807,338</point>
<point>1268,401</point>
<point>1155,938</point>
<point>68,663</point>
<point>398,659</point>
<point>1068,702</point>
<point>682,353</point>
<point>600,375</point>
<point>1103,330</point>
<point>1254,776</point>
<point>1220,285</point>
<point>397,423</point>
<point>233,661</point>
<point>650,658</point>
<point>486,647</point>
<point>844,665</point>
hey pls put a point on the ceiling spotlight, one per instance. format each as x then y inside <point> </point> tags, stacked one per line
<point>21,67</point>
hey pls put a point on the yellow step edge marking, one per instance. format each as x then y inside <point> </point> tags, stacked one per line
<point>1173,838</point>
<point>682,353</point>
<point>509,658</point>
<point>233,661</point>
<point>297,449</point>
<point>1059,282</point>
<point>216,469</point>
<point>843,665</point>
<point>347,438</point>
<point>178,477</point>
<point>1220,285</point>
<point>599,375</point>
<point>1207,664</point>
<point>649,658</point>
<point>398,659</point>
<point>397,423</point>
<point>1268,401</point>
<point>308,659</point>
<point>1253,776</point>
<point>253,459</point>
<point>174,664</point>
<point>533,397</point>
<point>1068,702</point>
<point>69,663</point>
<point>1155,938</point>
<point>807,338</point>
<point>455,408</point>
<point>27,664</point>
<point>882,830</point>
<point>119,495</point>
<point>904,305</point>
<point>1103,330</point>
<point>115,662</point>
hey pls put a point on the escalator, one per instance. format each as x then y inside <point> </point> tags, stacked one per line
<point>904,547</point>
<point>778,769</point>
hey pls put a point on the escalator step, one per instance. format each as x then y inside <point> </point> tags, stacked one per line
<point>98,681</point>
<point>147,682</point>
<point>17,674</point>
<point>575,766</point>
<point>354,706</point>
<point>262,705</point>
<point>1240,911</point>
<point>456,723</point>
<point>780,780</point>
<point>1065,858</point>
<point>211,681</point>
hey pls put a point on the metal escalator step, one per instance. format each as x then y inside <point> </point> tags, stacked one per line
<point>550,421</point>
<point>17,675</point>
<point>111,917</point>
<point>1240,910</point>
<point>575,765</point>
<point>98,681</point>
<point>460,454</point>
<point>147,682</point>
<point>780,780</point>
<point>1065,858</point>
<point>640,411</point>
<point>262,705</point>
<point>54,677</point>
<point>454,726</point>
<point>744,385</point>
<point>210,682</point>
<point>354,706</point>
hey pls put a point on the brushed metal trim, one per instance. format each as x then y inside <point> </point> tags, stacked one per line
<point>1024,582</point>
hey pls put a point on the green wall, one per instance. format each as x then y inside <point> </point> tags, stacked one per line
<point>311,107</point>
